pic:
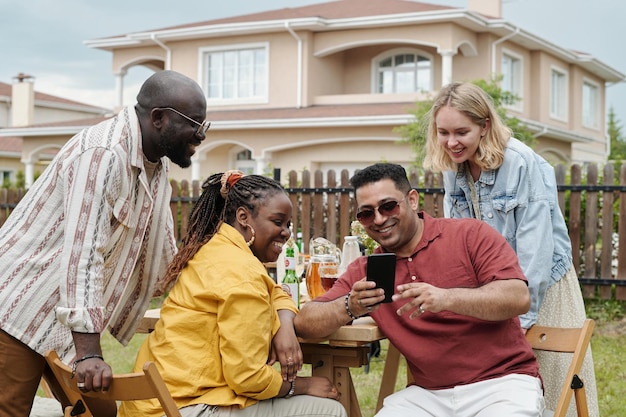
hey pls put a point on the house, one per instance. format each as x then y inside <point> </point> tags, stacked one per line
<point>24,110</point>
<point>323,86</point>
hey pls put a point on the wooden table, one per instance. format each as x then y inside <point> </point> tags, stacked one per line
<point>331,357</point>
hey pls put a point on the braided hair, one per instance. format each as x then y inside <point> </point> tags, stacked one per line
<point>218,203</point>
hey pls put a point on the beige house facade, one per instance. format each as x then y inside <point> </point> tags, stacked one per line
<point>34,126</point>
<point>324,86</point>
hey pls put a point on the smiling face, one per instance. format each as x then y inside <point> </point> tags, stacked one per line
<point>170,106</point>
<point>271,224</point>
<point>458,134</point>
<point>179,136</point>
<point>398,233</point>
<point>178,141</point>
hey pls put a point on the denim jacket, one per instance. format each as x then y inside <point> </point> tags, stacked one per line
<point>519,200</point>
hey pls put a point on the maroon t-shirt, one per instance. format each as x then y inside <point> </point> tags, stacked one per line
<point>445,349</point>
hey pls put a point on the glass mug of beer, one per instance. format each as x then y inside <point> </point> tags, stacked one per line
<point>322,251</point>
<point>329,272</point>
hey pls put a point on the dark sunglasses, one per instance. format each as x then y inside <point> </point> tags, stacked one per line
<point>389,208</point>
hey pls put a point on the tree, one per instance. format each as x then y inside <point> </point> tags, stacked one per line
<point>415,132</point>
<point>616,138</point>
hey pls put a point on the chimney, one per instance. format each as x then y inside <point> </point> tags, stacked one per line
<point>491,8</point>
<point>22,100</point>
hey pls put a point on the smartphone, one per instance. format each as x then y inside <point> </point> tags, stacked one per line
<point>381,268</point>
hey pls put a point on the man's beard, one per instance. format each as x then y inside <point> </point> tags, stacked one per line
<point>176,151</point>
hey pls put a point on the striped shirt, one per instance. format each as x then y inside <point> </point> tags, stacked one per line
<point>85,247</point>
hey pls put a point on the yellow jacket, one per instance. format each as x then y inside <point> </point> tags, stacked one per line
<point>213,339</point>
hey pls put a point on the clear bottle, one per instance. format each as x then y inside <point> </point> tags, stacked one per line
<point>291,283</point>
<point>349,253</point>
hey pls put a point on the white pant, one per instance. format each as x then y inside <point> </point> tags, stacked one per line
<point>299,405</point>
<point>512,396</point>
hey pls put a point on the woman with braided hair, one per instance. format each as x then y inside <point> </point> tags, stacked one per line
<point>225,321</point>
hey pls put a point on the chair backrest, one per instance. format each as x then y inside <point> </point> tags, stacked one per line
<point>125,387</point>
<point>566,340</point>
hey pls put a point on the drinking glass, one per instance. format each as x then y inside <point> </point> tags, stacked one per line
<point>321,250</point>
<point>329,272</point>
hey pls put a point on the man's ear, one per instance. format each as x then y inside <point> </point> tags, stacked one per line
<point>156,117</point>
<point>414,198</point>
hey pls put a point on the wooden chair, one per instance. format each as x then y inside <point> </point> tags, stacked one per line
<point>566,340</point>
<point>125,387</point>
<point>554,339</point>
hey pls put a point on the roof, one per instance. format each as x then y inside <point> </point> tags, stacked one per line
<point>312,116</point>
<point>7,89</point>
<point>326,111</point>
<point>11,144</point>
<point>348,14</point>
<point>342,9</point>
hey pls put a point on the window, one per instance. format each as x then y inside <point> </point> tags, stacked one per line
<point>512,78</point>
<point>558,94</point>
<point>403,72</point>
<point>244,162</point>
<point>236,74</point>
<point>6,178</point>
<point>591,104</point>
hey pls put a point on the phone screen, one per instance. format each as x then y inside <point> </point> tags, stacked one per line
<point>381,268</point>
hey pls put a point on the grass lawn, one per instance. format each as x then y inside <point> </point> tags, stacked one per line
<point>607,345</point>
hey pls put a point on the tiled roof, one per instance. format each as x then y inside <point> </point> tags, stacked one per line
<point>312,112</point>
<point>347,110</point>
<point>11,144</point>
<point>6,91</point>
<point>342,9</point>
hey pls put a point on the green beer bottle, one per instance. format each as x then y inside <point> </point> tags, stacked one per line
<point>291,283</point>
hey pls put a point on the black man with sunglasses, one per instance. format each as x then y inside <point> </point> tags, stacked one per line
<point>88,246</point>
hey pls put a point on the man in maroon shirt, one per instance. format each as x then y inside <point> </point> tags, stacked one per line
<point>458,292</point>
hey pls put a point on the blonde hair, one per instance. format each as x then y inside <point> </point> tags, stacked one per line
<point>476,104</point>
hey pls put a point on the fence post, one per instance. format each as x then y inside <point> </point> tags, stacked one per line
<point>306,211</point>
<point>293,197</point>
<point>345,206</point>
<point>620,293</point>
<point>607,233</point>
<point>318,204</point>
<point>331,207</point>
<point>185,207</point>
<point>174,204</point>
<point>591,231</point>
<point>574,217</point>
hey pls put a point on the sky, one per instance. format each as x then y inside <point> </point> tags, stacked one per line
<point>45,38</point>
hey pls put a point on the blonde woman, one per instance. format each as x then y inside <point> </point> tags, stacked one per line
<point>491,176</point>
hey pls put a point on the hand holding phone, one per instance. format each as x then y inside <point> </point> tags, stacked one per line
<point>381,268</point>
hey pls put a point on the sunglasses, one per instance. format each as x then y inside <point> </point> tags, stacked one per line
<point>389,208</point>
<point>202,127</point>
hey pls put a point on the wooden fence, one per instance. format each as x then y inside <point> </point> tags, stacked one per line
<point>594,206</point>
